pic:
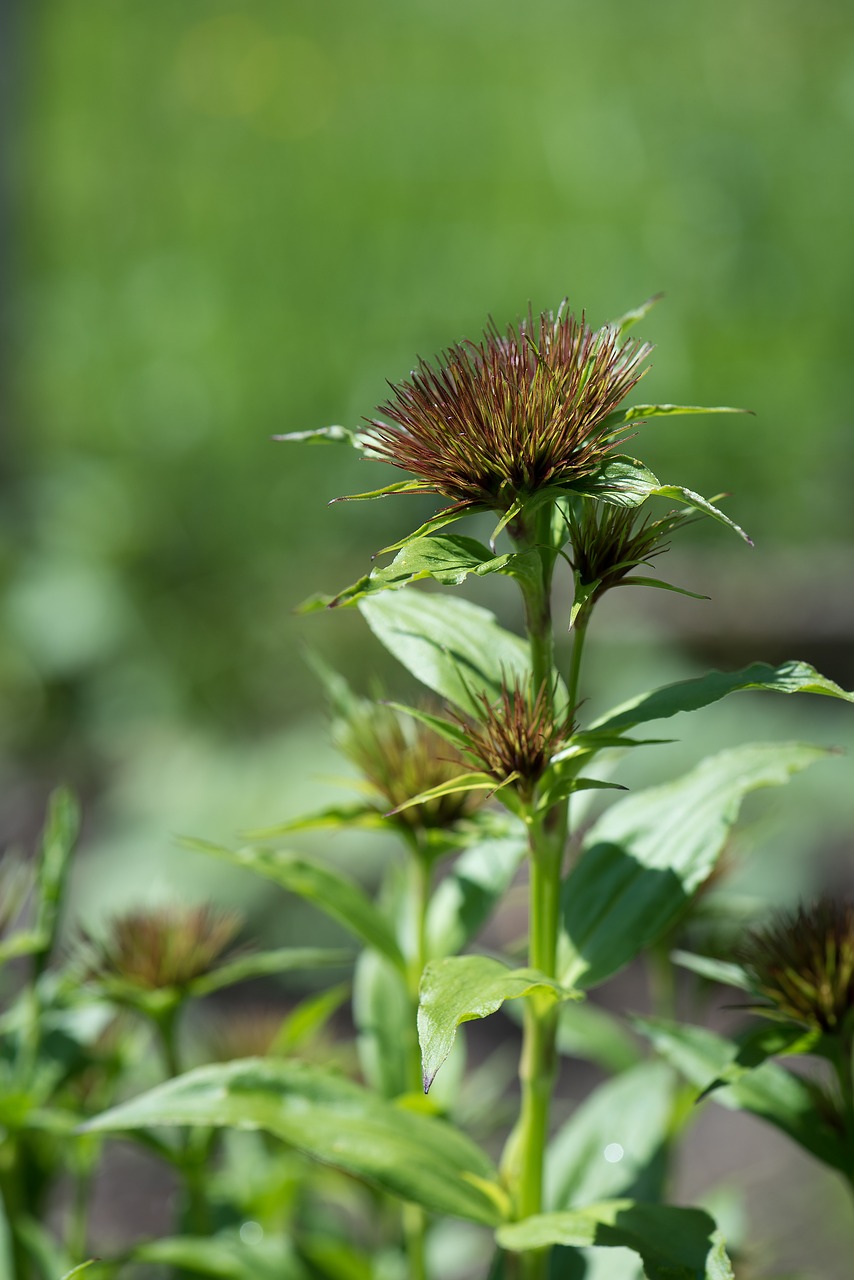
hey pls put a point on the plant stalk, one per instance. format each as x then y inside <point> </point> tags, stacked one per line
<point>414,1217</point>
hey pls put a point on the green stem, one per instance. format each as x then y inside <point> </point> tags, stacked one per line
<point>193,1145</point>
<point>547,839</point>
<point>575,661</point>
<point>414,1217</point>
<point>844,1064</point>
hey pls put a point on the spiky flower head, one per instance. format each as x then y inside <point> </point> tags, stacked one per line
<point>517,736</point>
<point>519,412</point>
<point>401,758</point>
<point>802,963</point>
<point>608,542</point>
<point>152,949</point>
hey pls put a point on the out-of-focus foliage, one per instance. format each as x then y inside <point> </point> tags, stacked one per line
<point>234,219</point>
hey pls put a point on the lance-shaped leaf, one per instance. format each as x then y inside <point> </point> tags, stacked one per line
<point>333,818</point>
<point>399,486</point>
<point>770,1091</point>
<point>629,318</point>
<point>699,503</point>
<point>455,786</point>
<point>732,975</point>
<point>674,1244</point>
<point>466,897</point>
<point>225,1256</point>
<point>333,892</point>
<point>415,1157</point>
<point>58,839</point>
<point>586,1031</point>
<point>261,964</point>
<point>325,435</point>
<point>448,559</point>
<point>611,1139</point>
<point>461,988</point>
<point>455,648</point>
<point>647,855</point>
<point>640,412</point>
<point>701,691</point>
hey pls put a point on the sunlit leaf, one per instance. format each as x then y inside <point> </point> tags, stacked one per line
<point>461,988</point>
<point>324,435</point>
<point>701,691</point>
<point>699,503</point>
<point>649,853</point>
<point>629,318</point>
<point>261,964</point>
<point>400,486</point>
<point>415,1157</point>
<point>333,892</point>
<point>732,975</point>
<point>621,481</point>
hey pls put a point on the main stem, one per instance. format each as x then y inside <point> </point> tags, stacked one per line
<point>414,1217</point>
<point>547,841</point>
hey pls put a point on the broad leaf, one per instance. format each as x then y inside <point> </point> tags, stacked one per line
<point>386,1038</point>
<point>461,988</point>
<point>675,1244</point>
<point>701,691</point>
<point>415,1157</point>
<point>647,855</point>
<point>611,1139</point>
<point>467,896</point>
<point>455,648</point>
<point>771,1092</point>
<point>334,893</point>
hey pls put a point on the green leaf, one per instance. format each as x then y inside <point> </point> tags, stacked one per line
<point>308,1018</point>
<point>583,592</point>
<point>731,975</point>
<point>446,729</point>
<point>699,503</point>
<point>621,481</point>
<point>225,1257</point>
<point>455,648</point>
<point>25,943</point>
<point>559,783</point>
<point>382,1012</point>
<point>448,559</point>
<point>466,897</point>
<point>440,520</point>
<point>400,486</point>
<point>58,839</point>
<point>586,1031</point>
<point>761,1043</point>
<point>611,1138</point>
<point>461,988</point>
<point>770,1092</point>
<point>260,964</point>
<point>415,1157</point>
<point>702,691</point>
<point>334,893</point>
<point>647,855</point>
<point>675,1244</point>
<point>638,581</point>
<point>324,435</point>
<point>640,412</point>
<point>333,818</point>
<point>77,1271</point>
<point>624,322</point>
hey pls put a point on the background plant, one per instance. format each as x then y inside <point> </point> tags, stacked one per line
<point>555,384</point>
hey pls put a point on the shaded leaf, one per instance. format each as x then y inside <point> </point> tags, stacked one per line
<point>466,897</point>
<point>648,854</point>
<point>611,1138</point>
<point>333,892</point>
<point>731,975</point>
<point>675,1244</point>
<point>621,481</point>
<point>584,1030</point>
<point>769,1091</point>
<point>461,988</point>
<point>702,691</point>
<point>415,1157</point>
<point>639,581</point>
<point>336,816</point>
<point>225,1257</point>
<point>383,1014</point>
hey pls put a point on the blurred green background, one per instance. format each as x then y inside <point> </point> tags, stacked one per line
<point>230,220</point>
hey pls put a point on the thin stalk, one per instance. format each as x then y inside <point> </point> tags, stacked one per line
<point>414,1217</point>
<point>843,1061</point>
<point>191,1167</point>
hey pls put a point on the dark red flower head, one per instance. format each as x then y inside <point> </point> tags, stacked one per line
<point>519,412</point>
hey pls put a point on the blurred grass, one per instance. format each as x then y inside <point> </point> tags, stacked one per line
<point>237,219</point>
